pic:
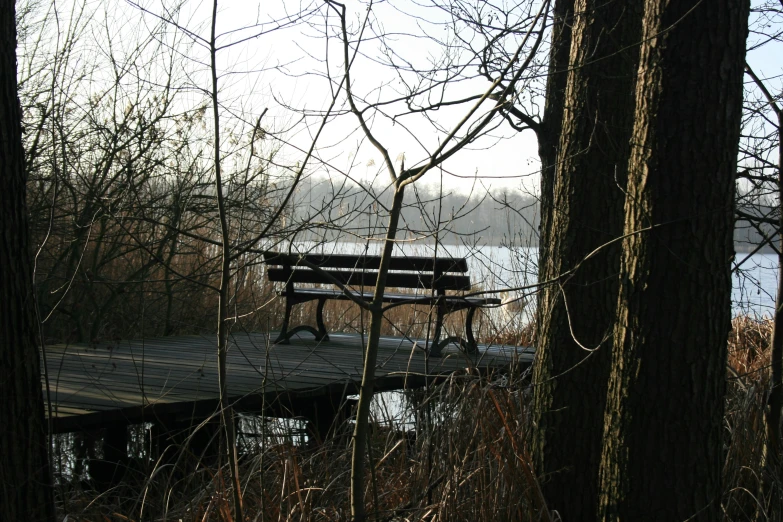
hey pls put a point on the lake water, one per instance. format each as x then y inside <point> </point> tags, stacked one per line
<point>753,291</point>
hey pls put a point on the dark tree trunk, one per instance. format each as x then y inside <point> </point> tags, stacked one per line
<point>662,452</point>
<point>577,316</point>
<point>548,133</point>
<point>24,468</point>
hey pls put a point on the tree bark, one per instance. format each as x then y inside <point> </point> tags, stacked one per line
<point>577,316</point>
<point>662,452</point>
<point>549,131</point>
<point>24,468</point>
<point>367,389</point>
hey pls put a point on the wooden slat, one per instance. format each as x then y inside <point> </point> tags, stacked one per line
<point>358,262</point>
<point>96,385</point>
<point>419,298</point>
<point>393,280</point>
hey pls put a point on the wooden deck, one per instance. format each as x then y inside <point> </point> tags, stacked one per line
<point>139,381</point>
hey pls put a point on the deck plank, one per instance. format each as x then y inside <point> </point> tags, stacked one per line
<point>128,380</point>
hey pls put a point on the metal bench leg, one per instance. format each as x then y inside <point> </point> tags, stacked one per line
<point>436,345</point>
<point>284,336</point>
<point>469,344</point>
<point>472,346</point>
<point>322,335</point>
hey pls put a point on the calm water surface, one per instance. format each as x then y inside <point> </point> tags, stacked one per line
<point>753,292</point>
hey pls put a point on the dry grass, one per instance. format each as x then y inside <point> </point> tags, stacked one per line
<point>752,486</point>
<point>454,452</point>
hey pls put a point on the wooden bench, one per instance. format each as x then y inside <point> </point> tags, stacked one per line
<point>356,272</point>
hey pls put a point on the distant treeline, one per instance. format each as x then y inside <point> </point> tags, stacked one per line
<point>349,212</point>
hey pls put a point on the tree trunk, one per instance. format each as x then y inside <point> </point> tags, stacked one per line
<point>367,389</point>
<point>549,131</point>
<point>662,452</point>
<point>226,410</point>
<point>577,316</point>
<point>24,468</point>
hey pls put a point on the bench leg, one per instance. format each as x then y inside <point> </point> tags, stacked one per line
<point>468,345</point>
<point>437,348</point>
<point>284,336</point>
<point>472,346</point>
<point>436,345</point>
<point>322,335</point>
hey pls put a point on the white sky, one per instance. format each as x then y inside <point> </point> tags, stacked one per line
<point>505,158</point>
<point>509,156</point>
<point>287,67</point>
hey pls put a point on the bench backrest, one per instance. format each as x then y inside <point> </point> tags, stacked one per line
<point>440,273</point>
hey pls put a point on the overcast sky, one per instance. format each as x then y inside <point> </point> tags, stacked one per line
<point>284,72</point>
